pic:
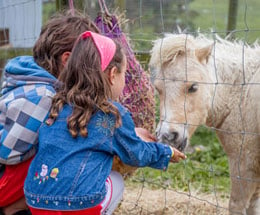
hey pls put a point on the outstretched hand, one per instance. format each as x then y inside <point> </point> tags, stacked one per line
<point>145,135</point>
<point>178,156</point>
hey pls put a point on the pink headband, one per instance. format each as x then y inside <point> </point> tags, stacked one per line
<point>106,47</point>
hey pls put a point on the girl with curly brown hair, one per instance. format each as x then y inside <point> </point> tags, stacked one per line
<point>86,128</point>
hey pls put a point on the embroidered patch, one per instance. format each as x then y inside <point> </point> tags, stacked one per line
<point>106,125</point>
<point>54,173</point>
<point>44,170</point>
<point>56,203</point>
<point>43,176</point>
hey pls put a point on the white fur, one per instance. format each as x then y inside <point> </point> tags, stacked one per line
<point>227,99</point>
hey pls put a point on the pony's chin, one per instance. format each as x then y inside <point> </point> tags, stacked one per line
<point>183,144</point>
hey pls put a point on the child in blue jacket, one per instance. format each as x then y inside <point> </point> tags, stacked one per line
<point>86,128</point>
<point>27,93</point>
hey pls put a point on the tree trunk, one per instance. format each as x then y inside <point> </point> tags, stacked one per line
<point>232,17</point>
<point>61,5</point>
<point>64,5</point>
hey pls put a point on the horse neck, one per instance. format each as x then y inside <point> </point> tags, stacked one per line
<point>230,67</point>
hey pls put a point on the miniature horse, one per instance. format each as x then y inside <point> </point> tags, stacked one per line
<point>215,83</point>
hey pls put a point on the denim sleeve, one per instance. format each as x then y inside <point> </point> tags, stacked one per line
<point>135,152</point>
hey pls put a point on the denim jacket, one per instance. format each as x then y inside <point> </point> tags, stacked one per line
<point>69,173</point>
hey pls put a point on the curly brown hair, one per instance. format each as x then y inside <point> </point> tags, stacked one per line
<point>85,87</point>
<point>58,36</point>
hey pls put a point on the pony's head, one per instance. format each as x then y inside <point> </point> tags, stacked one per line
<point>179,70</point>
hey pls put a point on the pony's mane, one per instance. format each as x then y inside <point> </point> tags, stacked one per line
<point>171,45</point>
<point>236,57</point>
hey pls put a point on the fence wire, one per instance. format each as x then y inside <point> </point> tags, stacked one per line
<point>151,191</point>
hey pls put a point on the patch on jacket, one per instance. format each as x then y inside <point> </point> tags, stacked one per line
<point>106,124</point>
<point>44,176</point>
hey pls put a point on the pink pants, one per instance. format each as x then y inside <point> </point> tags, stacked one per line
<point>11,183</point>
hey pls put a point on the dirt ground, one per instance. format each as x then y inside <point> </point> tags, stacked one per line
<point>144,201</point>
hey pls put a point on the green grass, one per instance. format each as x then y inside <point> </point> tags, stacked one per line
<point>207,16</point>
<point>204,170</point>
<point>214,15</point>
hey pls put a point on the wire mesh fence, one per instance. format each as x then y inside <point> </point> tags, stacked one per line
<point>225,146</point>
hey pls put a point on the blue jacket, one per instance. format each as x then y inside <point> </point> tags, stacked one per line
<point>70,173</point>
<point>27,92</point>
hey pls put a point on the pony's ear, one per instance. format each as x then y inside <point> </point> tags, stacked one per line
<point>203,53</point>
<point>172,56</point>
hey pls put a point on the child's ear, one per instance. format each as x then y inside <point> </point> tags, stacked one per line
<point>112,75</point>
<point>64,58</point>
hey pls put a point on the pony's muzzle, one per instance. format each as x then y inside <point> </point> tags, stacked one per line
<point>170,137</point>
<point>174,139</point>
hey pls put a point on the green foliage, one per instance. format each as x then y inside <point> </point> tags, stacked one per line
<point>49,8</point>
<point>205,170</point>
<point>213,16</point>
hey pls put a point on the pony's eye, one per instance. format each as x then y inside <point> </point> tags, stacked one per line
<point>193,88</point>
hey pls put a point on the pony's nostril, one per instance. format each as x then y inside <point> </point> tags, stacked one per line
<point>165,137</point>
<point>170,136</point>
<point>174,136</point>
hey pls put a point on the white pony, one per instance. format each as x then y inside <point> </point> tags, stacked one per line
<point>216,83</point>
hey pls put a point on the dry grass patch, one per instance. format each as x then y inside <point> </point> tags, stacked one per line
<point>145,201</point>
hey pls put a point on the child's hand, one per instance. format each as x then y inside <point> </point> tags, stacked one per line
<point>177,155</point>
<point>145,135</point>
